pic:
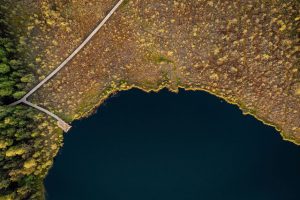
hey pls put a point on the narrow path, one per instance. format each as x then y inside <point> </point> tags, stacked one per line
<point>61,123</point>
<point>65,126</point>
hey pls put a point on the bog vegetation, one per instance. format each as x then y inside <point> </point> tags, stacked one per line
<point>28,141</point>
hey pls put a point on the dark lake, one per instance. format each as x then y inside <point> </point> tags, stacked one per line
<point>166,146</point>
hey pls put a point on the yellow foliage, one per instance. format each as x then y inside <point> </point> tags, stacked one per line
<point>3,144</point>
<point>53,146</point>
<point>6,197</point>
<point>297,91</point>
<point>266,56</point>
<point>14,152</point>
<point>30,163</point>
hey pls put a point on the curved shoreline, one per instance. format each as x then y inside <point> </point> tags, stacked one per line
<point>194,89</point>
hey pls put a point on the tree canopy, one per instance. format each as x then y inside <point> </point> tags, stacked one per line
<point>27,136</point>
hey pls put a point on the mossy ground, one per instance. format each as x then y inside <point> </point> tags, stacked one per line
<point>244,52</point>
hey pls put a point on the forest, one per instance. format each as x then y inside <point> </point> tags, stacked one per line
<point>28,139</point>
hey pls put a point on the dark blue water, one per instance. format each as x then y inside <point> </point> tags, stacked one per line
<point>165,146</point>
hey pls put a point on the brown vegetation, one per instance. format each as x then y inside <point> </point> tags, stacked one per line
<point>243,51</point>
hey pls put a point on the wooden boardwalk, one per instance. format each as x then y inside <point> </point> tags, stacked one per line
<point>61,123</point>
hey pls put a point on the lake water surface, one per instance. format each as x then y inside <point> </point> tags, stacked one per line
<point>166,146</point>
